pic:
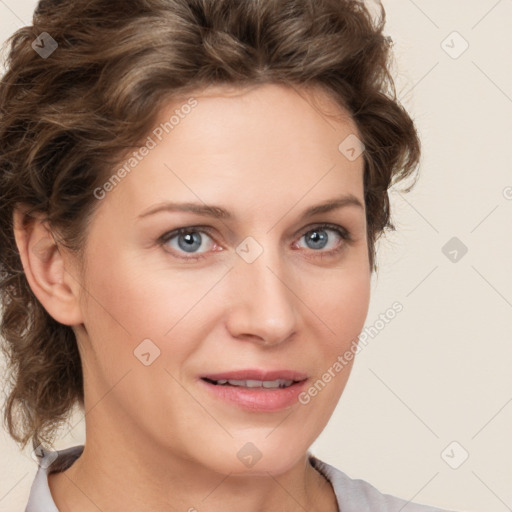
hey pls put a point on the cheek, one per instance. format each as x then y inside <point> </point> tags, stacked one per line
<point>120,308</point>
<point>342,305</point>
<point>128,301</point>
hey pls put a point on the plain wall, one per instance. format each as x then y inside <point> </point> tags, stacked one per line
<point>439,372</point>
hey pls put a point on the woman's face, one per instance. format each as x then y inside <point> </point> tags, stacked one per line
<point>258,288</point>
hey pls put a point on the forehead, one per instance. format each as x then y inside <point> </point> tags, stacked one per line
<point>271,99</point>
<point>254,146</point>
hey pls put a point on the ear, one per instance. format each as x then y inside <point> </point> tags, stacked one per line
<point>46,268</point>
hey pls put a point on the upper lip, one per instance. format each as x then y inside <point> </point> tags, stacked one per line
<point>254,374</point>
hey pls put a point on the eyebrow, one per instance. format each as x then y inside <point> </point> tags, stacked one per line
<point>218,212</point>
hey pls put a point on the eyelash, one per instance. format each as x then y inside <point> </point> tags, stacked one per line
<point>341,231</point>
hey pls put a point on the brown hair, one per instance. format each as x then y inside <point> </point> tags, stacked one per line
<point>67,118</point>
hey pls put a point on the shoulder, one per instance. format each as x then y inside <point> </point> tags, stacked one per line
<point>356,495</point>
<point>40,498</point>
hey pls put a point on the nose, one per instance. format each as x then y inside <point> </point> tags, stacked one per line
<point>262,305</point>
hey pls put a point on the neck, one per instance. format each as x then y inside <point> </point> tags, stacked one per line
<point>108,476</point>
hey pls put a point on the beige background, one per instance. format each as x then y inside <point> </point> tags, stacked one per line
<point>440,371</point>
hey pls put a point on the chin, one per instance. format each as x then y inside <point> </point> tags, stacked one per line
<point>243,458</point>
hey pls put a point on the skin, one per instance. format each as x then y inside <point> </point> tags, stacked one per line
<point>156,440</point>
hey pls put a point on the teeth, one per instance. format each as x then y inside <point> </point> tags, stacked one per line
<point>272,384</point>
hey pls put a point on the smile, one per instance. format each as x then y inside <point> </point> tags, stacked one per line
<point>268,384</point>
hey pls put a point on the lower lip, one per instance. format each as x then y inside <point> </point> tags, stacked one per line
<point>258,399</point>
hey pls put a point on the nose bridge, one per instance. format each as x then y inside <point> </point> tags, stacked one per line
<point>264,306</point>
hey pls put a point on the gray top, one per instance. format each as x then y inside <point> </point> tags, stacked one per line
<point>352,495</point>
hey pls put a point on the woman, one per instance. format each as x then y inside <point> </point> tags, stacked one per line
<point>191,195</point>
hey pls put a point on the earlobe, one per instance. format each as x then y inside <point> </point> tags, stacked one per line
<point>45,267</point>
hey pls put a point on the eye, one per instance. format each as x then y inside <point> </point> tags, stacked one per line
<point>318,238</point>
<point>186,243</point>
<point>187,240</point>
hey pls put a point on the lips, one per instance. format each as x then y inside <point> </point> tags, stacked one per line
<point>256,390</point>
